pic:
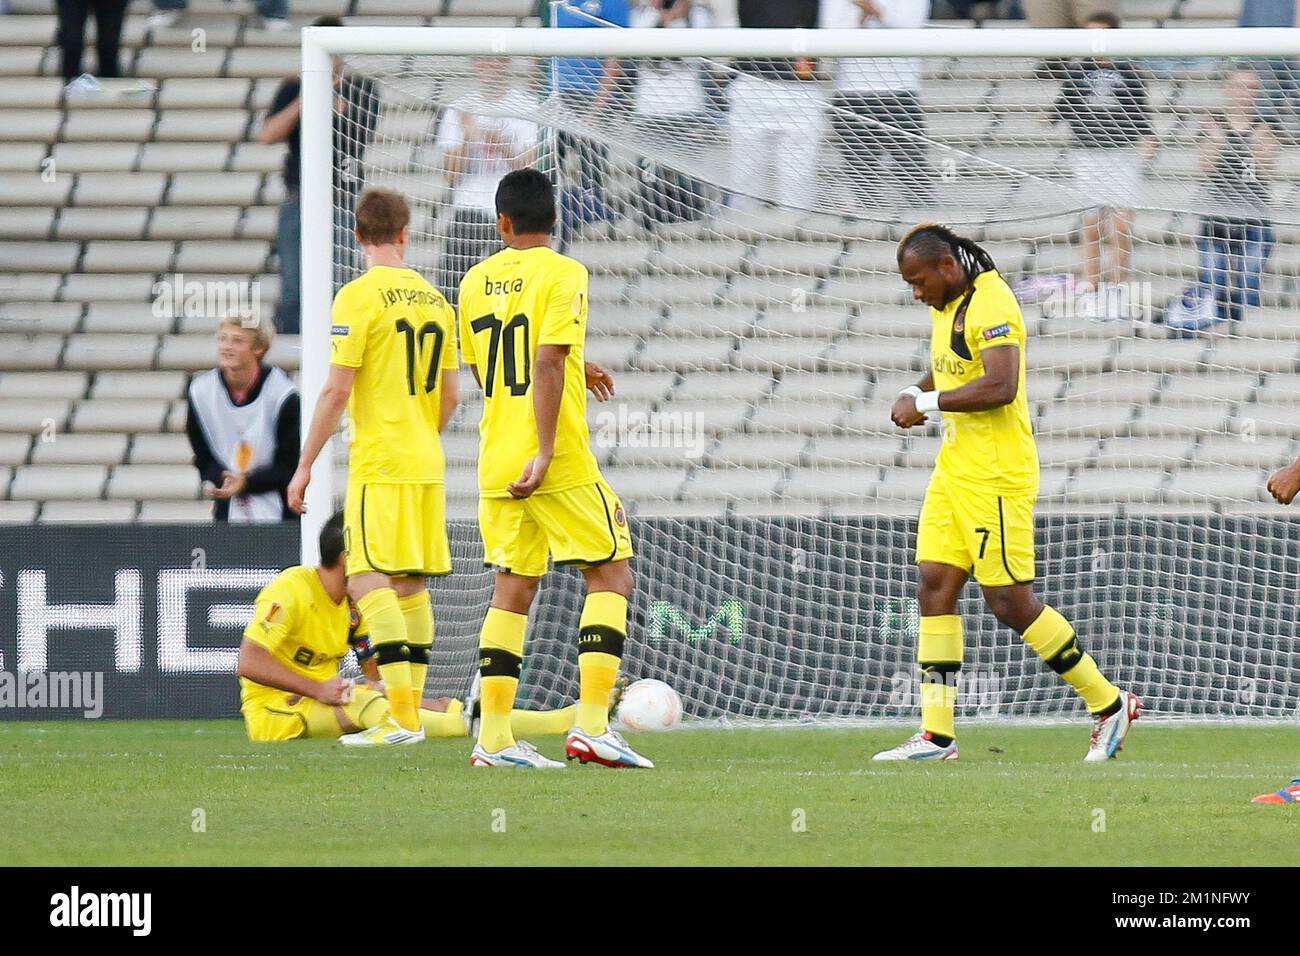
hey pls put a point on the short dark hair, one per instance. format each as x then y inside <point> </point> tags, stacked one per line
<point>528,198</point>
<point>332,541</point>
<point>1103,16</point>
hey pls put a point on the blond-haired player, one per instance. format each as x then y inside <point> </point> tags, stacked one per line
<point>523,324</point>
<point>393,366</point>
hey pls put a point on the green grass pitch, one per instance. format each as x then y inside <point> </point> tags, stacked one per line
<point>92,793</point>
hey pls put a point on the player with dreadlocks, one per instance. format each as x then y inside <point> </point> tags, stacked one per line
<point>978,515</point>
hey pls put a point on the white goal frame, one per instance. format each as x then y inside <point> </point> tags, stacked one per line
<point>321,44</point>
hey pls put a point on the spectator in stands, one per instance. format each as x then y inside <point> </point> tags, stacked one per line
<point>356,112</point>
<point>588,88</point>
<point>1104,103</point>
<point>777,116</point>
<point>481,138</point>
<point>876,111</point>
<point>242,421</point>
<point>73,15</point>
<point>1280,77</point>
<point>274,14</point>
<point>1237,152</point>
<point>670,107</point>
<point>1068,14</point>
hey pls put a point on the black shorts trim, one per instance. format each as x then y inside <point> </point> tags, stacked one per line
<point>609,523</point>
<point>365,550</point>
<point>1002,544</point>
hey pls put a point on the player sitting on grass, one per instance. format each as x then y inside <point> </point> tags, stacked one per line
<point>978,514</point>
<point>523,324</point>
<point>302,628</point>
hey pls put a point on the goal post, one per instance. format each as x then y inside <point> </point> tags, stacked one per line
<point>744,294</point>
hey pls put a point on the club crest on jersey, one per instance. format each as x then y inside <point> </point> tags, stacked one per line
<point>620,519</point>
<point>997,332</point>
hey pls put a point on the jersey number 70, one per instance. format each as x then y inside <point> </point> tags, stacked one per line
<point>510,363</point>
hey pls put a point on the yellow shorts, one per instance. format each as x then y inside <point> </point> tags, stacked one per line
<point>396,529</point>
<point>275,717</point>
<point>584,526</point>
<point>989,535</point>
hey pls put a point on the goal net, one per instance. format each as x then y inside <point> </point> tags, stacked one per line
<point>737,197</point>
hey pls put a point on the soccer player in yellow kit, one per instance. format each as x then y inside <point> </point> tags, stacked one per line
<point>302,627</point>
<point>393,366</point>
<point>523,324</point>
<point>978,514</point>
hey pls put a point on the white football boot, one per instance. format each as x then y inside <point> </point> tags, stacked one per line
<point>919,746</point>
<point>1108,733</point>
<point>471,710</point>
<point>386,733</point>
<point>608,749</point>
<point>522,754</point>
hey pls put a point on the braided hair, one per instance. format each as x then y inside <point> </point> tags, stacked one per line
<point>935,241</point>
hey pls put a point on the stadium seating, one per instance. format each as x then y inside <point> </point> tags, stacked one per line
<point>161,175</point>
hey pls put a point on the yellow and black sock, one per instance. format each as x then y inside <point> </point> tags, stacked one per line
<point>383,615</point>
<point>501,657</point>
<point>1054,640</point>
<point>417,612</point>
<point>601,633</point>
<point>939,653</point>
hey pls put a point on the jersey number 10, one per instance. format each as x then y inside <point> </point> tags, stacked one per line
<point>415,345</point>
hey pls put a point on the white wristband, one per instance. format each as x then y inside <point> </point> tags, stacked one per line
<point>913,390</point>
<point>927,402</point>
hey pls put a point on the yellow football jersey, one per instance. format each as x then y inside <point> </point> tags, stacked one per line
<point>993,448</point>
<point>399,333</point>
<point>303,629</point>
<point>511,303</point>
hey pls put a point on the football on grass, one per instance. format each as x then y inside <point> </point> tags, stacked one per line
<point>650,705</point>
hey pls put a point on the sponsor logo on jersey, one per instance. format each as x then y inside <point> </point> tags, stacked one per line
<point>340,329</point>
<point>997,332</point>
<point>949,365</point>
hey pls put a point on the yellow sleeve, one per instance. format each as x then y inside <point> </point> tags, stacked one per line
<point>274,616</point>
<point>564,321</point>
<point>349,324</point>
<point>995,320</point>
<point>466,333</point>
<point>450,360</point>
